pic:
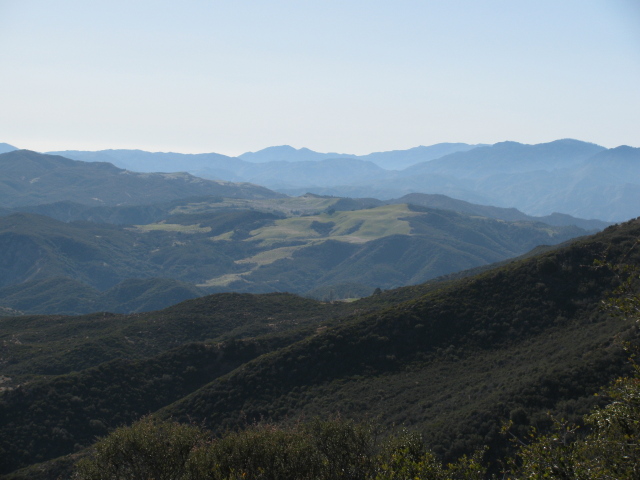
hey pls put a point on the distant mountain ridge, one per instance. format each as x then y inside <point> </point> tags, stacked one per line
<point>509,214</point>
<point>286,153</point>
<point>566,176</point>
<point>509,157</point>
<point>140,160</point>
<point>28,178</point>
<point>5,147</point>
<point>390,160</point>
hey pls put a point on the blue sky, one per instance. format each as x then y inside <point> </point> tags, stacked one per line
<point>341,76</point>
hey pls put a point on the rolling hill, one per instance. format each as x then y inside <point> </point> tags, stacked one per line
<point>63,295</point>
<point>307,204</point>
<point>78,267</point>
<point>452,360</point>
<point>30,178</point>
<point>237,240</point>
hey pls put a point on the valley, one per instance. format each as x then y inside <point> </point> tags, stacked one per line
<point>528,336</point>
<point>320,240</point>
<point>81,266</point>
<point>219,305</point>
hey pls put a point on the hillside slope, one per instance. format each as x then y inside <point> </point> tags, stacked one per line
<point>5,147</point>
<point>528,336</point>
<point>307,204</point>
<point>452,360</point>
<point>509,214</point>
<point>229,249</point>
<point>30,178</point>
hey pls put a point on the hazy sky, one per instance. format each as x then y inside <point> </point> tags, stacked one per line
<point>352,76</point>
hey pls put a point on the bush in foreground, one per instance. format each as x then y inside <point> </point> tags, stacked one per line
<point>338,449</point>
<point>318,450</point>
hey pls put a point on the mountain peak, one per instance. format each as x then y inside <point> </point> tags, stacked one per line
<point>276,149</point>
<point>5,147</point>
<point>288,153</point>
<point>625,149</point>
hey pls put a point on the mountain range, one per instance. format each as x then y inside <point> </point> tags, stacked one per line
<point>391,160</point>
<point>564,176</point>
<point>107,250</point>
<point>459,317</point>
<point>453,360</point>
<point>48,266</point>
<point>30,178</point>
<point>139,160</point>
<point>5,148</point>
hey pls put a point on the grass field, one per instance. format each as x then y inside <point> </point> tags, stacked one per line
<point>173,227</point>
<point>292,206</point>
<point>270,256</point>
<point>354,227</point>
<point>358,226</point>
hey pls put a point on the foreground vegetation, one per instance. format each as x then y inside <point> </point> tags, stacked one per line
<point>450,361</point>
<point>337,449</point>
<point>317,450</point>
<point>608,447</point>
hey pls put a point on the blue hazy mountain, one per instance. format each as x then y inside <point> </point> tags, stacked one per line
<point>576,178</point>
<point>279,174</point>
<point>391,160</point>
<point>30,178</point>
<point>567,176</point>
<point>211,165</point>
<point>214,165</point>
<point>508,157</point>
<point>401,159</point>
<point>289,154</point>
<point>5,147</point>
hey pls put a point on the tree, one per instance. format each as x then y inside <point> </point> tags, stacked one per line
<point>149,449</point>
<point>611,449</point>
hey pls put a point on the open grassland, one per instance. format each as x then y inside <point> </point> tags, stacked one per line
<point>303,205</point>
<point>269,256</point>
<point>358,226</point>
<point>275,237</point>
<point>264,247</point>
<point>224,280</point>
<point>172,227</point>
<point>354,227</point>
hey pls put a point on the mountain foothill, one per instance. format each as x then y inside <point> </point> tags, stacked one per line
<point>228,301</point>
<point>77,236</point>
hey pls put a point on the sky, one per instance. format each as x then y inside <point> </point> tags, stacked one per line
<point>348,76</point>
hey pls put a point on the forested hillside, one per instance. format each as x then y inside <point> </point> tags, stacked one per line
<point>451,360</point>
<point>122,241</point>
<point>30,178</point>
<point>48,266</point>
